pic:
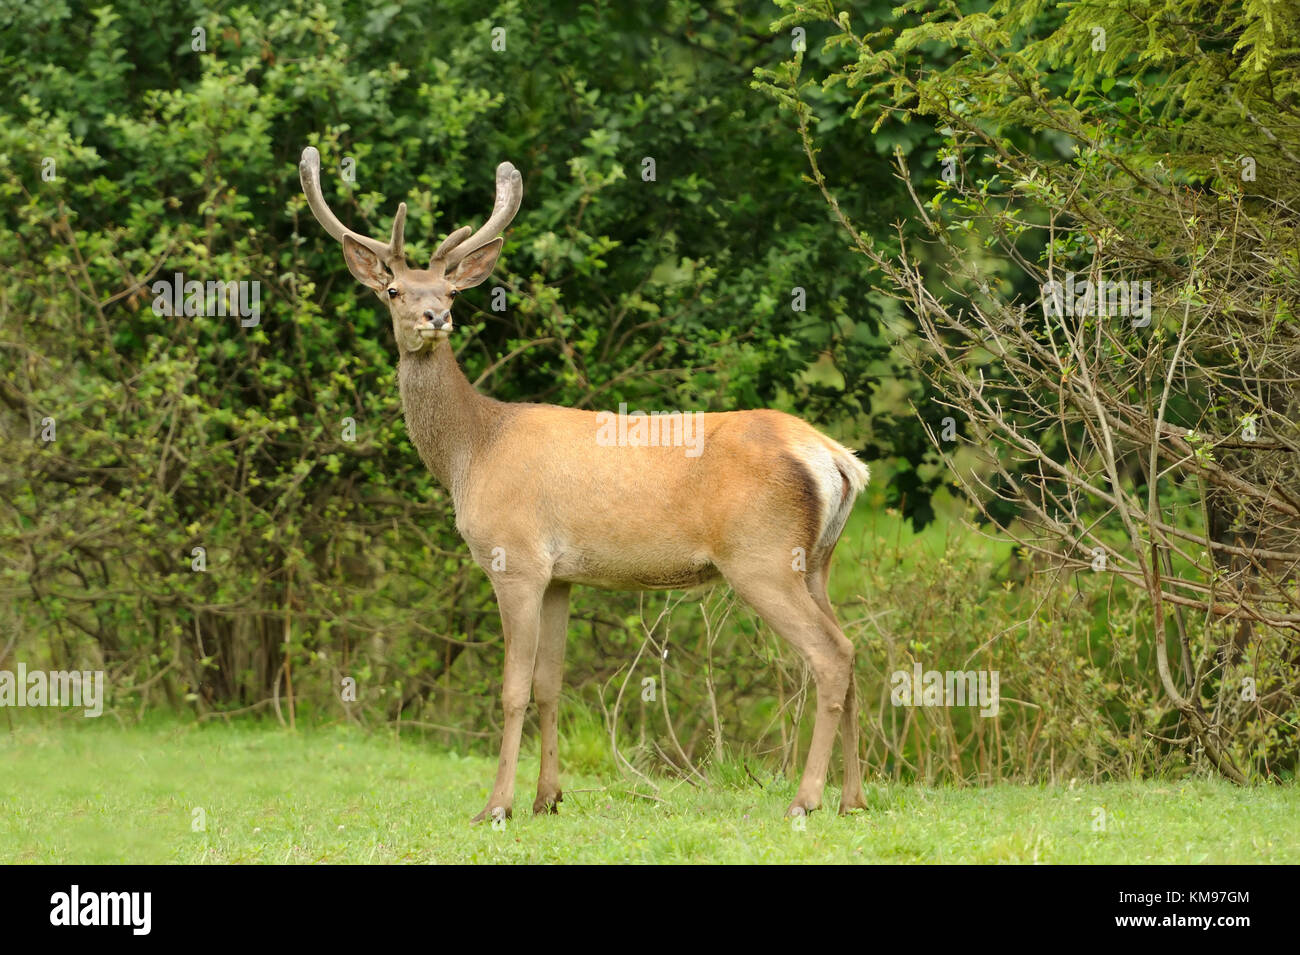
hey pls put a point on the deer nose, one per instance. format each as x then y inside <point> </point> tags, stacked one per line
<point>436,320</point>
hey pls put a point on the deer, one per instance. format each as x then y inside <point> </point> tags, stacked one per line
<point>544,505</point>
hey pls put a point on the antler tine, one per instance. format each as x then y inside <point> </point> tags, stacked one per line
<point>392,253</point>
<point>397,245</point>
<point>510,192</point>
<point>455,238</point>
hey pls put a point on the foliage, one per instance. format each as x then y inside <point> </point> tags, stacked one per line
<point>1145,429</point>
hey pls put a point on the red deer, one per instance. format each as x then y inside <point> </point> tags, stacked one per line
<point>544,504</point>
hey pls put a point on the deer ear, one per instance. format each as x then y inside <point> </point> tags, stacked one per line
<point>478,265</point>
<point>365,266</point>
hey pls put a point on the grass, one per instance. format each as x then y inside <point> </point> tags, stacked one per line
<point>106,794</point>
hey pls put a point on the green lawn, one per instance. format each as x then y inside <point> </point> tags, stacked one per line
<point>104,794</point>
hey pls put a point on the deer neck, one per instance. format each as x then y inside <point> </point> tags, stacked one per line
<point>445,417</point>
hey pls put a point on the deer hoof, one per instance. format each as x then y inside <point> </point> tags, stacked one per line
<point>801,807</point>
<point>851,804</point>
<point>546,803</point>
<point>491,813</point>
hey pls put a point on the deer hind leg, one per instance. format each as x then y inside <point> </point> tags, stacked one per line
<point>520,602</point>
<point>548,676</point>
<point>851,795</point>
<point>783,600</point>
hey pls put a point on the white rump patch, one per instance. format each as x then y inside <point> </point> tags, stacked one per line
<point>830,464</point>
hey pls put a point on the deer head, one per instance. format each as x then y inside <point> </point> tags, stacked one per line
<point>419,300</point>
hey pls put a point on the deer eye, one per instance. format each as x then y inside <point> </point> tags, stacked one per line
<point>392,293</point>
<point>453,293</point>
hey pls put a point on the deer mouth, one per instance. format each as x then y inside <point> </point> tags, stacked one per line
<point>430,333</point>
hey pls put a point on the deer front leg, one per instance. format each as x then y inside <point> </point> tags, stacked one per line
<point>520,603</point>
<point>548,677</point>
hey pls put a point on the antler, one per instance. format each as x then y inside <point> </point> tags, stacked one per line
<point>393,253</point>
<point>454,248</point>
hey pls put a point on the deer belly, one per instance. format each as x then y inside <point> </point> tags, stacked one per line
<point>635,571</point>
